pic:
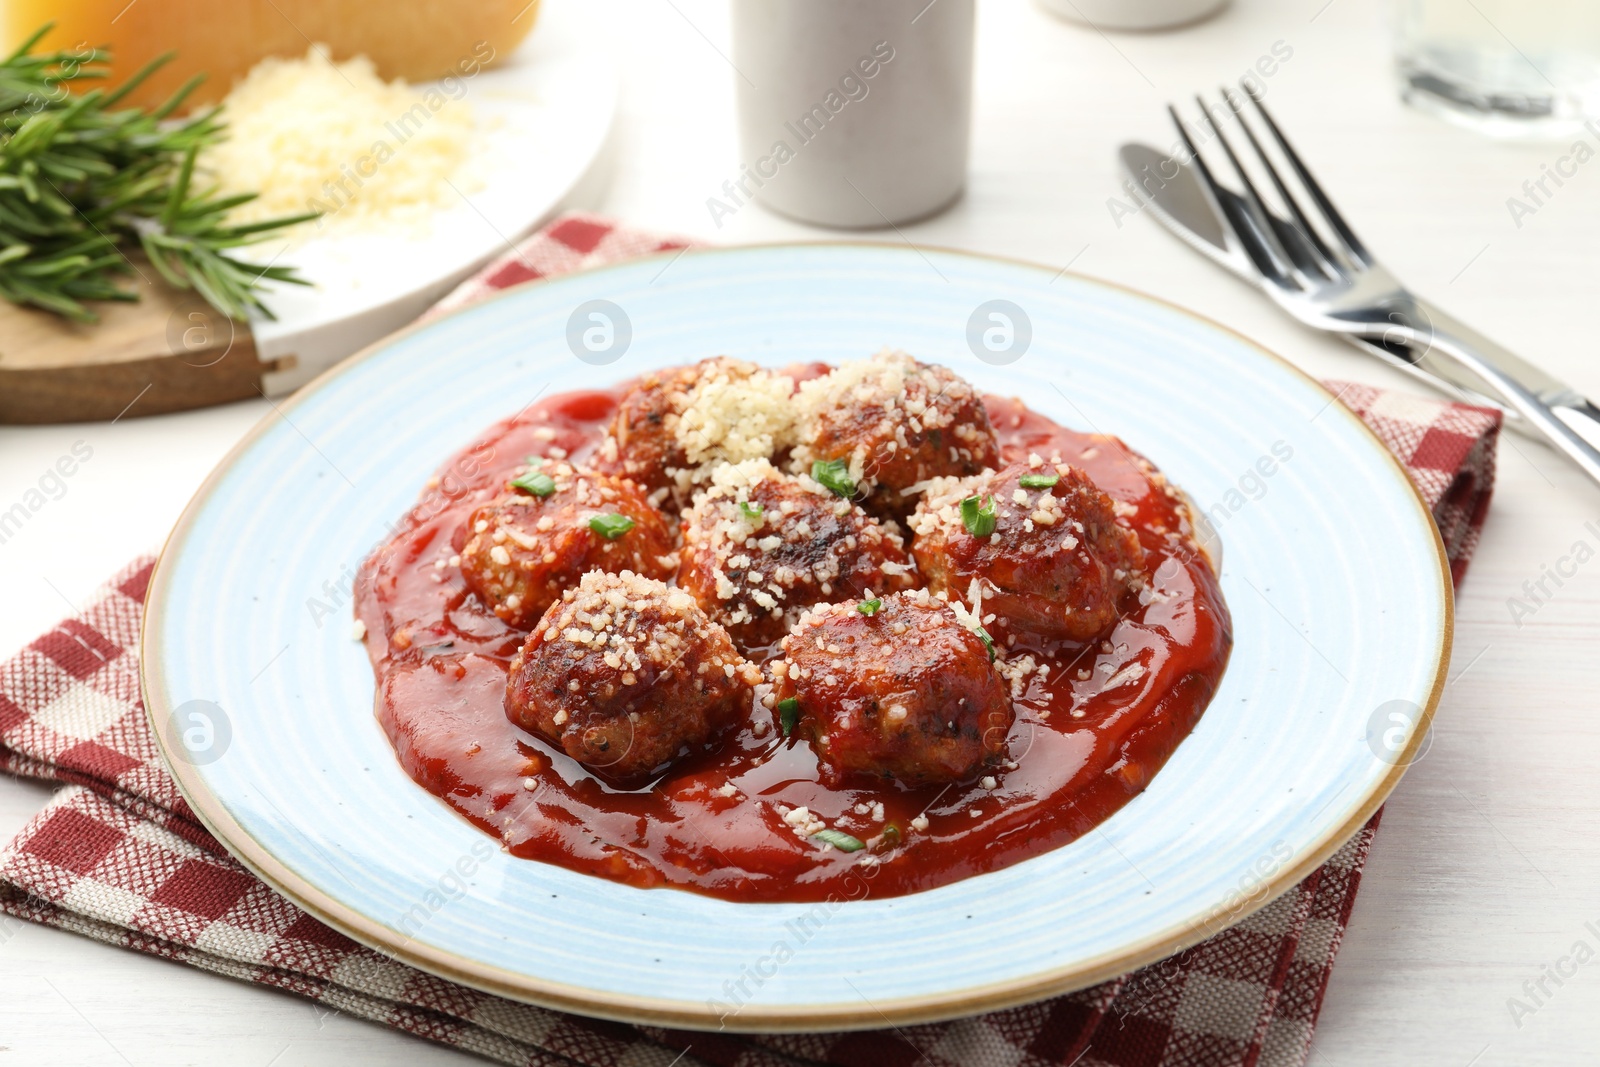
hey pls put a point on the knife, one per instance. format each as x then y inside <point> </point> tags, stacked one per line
<point>1180,205</point>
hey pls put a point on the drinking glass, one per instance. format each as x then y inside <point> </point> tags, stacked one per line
<point>1505,67</point>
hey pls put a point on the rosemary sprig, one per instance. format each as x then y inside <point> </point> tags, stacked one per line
<point>81,180</point>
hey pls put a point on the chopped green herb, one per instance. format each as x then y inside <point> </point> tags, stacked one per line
<point>536,482</point>
<point>788,714</point>
<point>533,461</point>
<point>988,642</point>
<point>834,475</point>
<point>611,527</point>
<point>887,839</point>
<point>840,840</point>
<point>978,518</point>
<point>750,510</point>
<point>1038,481</point>
<point>867,607</point>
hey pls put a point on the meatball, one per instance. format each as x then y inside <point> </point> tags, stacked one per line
<point>1056,562</point>
<point>906,692</point>
<point>522,549</point>
<point>675,420</point>
<point>760,546</point>
<point>894,423</point>
<point>626,674</point>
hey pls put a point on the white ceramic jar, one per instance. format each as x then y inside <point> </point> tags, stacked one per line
<point>852,113</point>
<point>1134,14</point>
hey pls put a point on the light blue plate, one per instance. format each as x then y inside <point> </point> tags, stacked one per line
<point>1333,570</point>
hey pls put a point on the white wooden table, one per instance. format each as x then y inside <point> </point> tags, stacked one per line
<point>1487,867</point>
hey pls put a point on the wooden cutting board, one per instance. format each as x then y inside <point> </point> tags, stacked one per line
<point>169,352</point>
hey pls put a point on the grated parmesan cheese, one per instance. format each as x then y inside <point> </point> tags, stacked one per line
<point>733,417</point>
<point>312,135</point>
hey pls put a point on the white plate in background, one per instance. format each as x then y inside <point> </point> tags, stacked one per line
<point>549,108</point>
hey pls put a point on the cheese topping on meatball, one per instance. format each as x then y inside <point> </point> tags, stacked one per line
<point>760,545</point>
<point>1054,557</point>
<point>674,425</point>
<point>626,674</point>
<point>907,691</point>
<point>521,550</point>
<point>602,616</point>
<point>894,422</point>
<point>736,412</point>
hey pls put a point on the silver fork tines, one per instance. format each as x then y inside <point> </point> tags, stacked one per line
<point>1312,264</point>
<point>1269,245</point>
<point>1352,243</point>
<point>1330,262</point>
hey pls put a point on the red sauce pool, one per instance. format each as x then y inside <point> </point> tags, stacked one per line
<point>1082,748</point>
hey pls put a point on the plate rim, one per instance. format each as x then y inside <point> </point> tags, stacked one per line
<point>563,996</point>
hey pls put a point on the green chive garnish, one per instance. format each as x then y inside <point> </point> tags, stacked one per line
<point>611,527</point>
<point>535,482</point>
<point>750,511</point>
<point>978,518</point>
<point>840,840</point>
<point>834,475</point>
<point>867,607</point>
<point>988,642</point>
<point>533,461</point>
<point>1038,481</point>
<point>788,714</point>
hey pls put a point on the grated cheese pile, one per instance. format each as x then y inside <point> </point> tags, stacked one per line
<point>902,399</point>
<point>309,134</point>
<point>736,412</point>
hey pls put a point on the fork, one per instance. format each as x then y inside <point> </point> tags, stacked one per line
<point>1326,278</point>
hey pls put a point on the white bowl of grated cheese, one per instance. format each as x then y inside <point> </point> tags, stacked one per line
<point>418,185</point>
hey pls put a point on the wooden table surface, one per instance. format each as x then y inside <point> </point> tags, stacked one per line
<point>1487,867</point>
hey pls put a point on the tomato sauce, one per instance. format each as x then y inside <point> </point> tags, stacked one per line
<point>1081,747</point>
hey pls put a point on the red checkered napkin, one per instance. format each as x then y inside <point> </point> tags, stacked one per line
<point>119,856</point>
<point>1448,449</point>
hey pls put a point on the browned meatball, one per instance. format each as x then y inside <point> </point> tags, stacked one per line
<point>672,421</point>
<point>760,546</point>
<point>626,674</point>
<point>907,692</point>
<point>521,550</point>
<point>894,423</point>
<point>1057,562</point>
